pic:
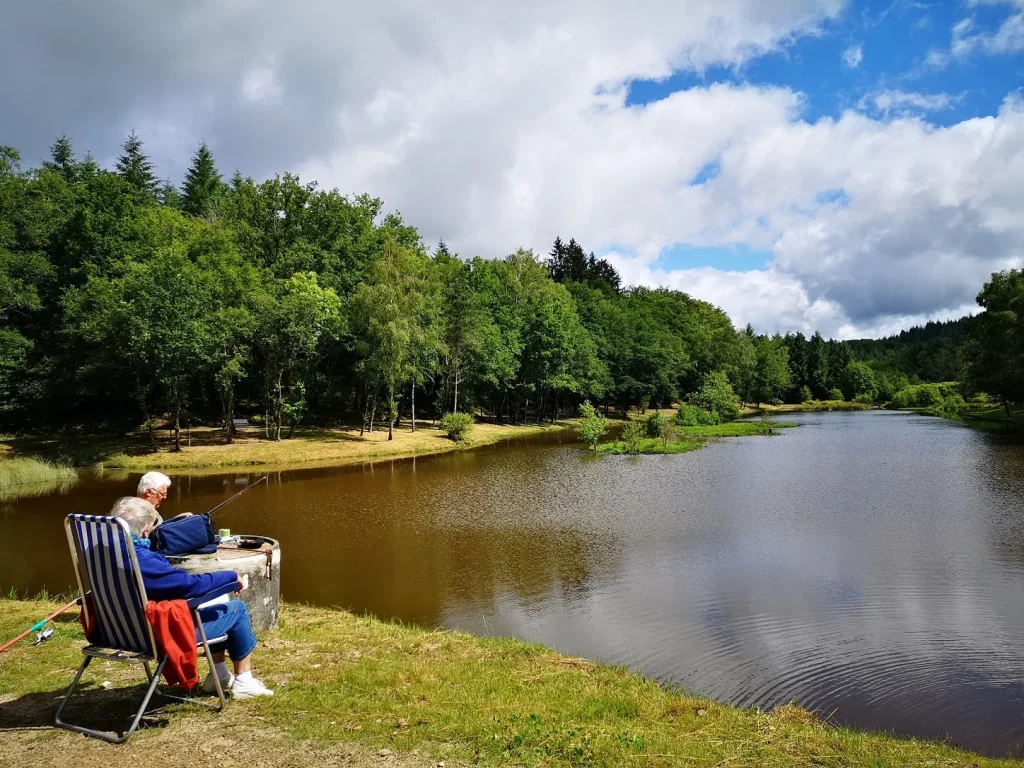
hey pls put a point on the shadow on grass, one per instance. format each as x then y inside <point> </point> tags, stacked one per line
<point>92,706</point>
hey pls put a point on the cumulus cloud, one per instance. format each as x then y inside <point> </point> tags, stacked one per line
<point>853,56</point>
<point>496,125</point>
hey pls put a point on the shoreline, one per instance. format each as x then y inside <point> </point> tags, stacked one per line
<point>308,449</point>
<point>410,696</point>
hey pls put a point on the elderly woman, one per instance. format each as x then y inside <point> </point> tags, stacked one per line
<point>165,582</point>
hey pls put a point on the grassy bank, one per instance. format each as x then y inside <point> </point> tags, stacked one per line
<point>308,447</point>
<point>812,406</point>
<point>694,438</point>
<point>23,476</point>
<point>358,691</point>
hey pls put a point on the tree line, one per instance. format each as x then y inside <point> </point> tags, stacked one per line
<point>126,299</point>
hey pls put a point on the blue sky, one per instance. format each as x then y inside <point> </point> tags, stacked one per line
<point>872,48</point>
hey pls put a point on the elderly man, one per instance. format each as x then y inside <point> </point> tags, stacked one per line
<point>165,582</point>
<point>153,488</point>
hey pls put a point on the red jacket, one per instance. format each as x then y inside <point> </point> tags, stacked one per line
<point>176,638</point>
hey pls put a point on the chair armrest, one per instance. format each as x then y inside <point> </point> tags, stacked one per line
<point>226,589</point>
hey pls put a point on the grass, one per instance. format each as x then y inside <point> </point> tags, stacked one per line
<point>308,447</point>
<point>694,438</point>
<point>820,405</point>
<point>380,691</point>
<point>22,476</point>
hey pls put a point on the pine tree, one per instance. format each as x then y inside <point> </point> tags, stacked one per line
<point>169,195</point>
<point>62,158</point>
<point>202,184</point>
<point>135,167</point>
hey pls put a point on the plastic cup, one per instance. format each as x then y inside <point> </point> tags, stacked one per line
<point>225,533</point>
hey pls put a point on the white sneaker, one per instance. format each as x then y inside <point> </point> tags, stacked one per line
<point>249,689</point>
<point>211,688</point>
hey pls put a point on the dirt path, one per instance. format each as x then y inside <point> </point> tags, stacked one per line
<point>234,737</point>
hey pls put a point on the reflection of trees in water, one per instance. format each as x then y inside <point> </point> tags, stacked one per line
<point>421,573</point>
<point>1001,482</point>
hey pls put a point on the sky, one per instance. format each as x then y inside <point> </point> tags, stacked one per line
<point>849,167</point>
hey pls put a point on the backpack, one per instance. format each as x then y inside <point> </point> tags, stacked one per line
<point>185,536</point>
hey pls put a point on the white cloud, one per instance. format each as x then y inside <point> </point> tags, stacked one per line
<point>1008,38</point>
<point>506,125</point>
<point>853,56</point>
<point>897,101</point>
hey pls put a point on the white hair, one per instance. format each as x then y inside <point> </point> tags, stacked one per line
<point>138,513</point>
<point>153,481</point>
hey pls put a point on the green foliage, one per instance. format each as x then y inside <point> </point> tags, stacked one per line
<point>135,167</point>
<point>836,394</point>
<point>457,426</point>
<point>632,436</point>
<point>655,421</point>
<point>592,425</point>
<point>202,184</point>
<point>805,394</point>
<point>695,416</point>
<point>865,398</point>
<point>943,399</point>
<point>995,350</point>
<point>716,395</point>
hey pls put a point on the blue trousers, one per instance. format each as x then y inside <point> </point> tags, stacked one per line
<point>231,619</point>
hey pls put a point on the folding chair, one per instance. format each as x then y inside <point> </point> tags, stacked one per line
<point>114,595</point>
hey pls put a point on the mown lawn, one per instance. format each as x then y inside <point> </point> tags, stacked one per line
<point>382,692</point>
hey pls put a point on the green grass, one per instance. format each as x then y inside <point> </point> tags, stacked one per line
<point>446,696</point>
<point>22,476</point>
<point>653,445</point>
<point>827,405</point>
<point>695,438</point>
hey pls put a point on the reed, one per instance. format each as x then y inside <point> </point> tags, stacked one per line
<point>23,476</point>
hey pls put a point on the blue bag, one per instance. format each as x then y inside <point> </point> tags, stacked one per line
<point>185,536</point>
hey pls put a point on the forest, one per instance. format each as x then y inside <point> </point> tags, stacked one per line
<point>127,300</point>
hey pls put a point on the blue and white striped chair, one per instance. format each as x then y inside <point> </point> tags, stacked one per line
<point>114,595</point>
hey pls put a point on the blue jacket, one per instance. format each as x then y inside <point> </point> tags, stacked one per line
<point>165,582</point>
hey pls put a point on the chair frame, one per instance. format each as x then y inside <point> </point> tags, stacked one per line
<point>152,656</point>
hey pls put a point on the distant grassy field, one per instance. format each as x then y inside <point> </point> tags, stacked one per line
<point>308,447</point>
<point>352,690</point>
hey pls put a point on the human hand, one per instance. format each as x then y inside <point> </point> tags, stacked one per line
<point>243,583</point>
<point>183,514</point>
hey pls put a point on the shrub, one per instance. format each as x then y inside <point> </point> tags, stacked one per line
<point>865,398</point>
<point>805,394</point>
<point>836,394</point>
<point>692,416</point>
<point>924,395</point>
<point>632,435</point>
<point>654,424</point>
<point>456,425</point>
<point>716,395</point>
<point>667,432</point>
<point>592,425</point>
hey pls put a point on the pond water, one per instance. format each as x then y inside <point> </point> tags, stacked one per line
<point>865,565</point>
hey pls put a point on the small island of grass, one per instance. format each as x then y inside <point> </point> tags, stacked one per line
<point>689,439</point>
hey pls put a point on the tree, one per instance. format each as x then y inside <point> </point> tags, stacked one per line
<point>716,395</point>
<point>995,350</point>
<point>771,370</point>
<point>591,426</point>
<point>202,184</point>
<point>389,309</point>
<point>135,167</point>
<point>858,380</point>
<point>292,324</point>
<point>62,159</point>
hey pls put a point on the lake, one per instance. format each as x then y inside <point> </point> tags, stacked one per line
<point>867,566</point>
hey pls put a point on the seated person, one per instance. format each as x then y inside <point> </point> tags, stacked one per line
<point>165,582</point>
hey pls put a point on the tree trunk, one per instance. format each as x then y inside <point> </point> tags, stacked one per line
<point>455,402</point>
<point>177,430</point>
<point>413,400</point>
<point>391,413</point>
<point>1006,404</point>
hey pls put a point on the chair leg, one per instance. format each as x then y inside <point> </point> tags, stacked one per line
<point>154,679</point>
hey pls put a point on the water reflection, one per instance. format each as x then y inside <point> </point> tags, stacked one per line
<point>867,565</point>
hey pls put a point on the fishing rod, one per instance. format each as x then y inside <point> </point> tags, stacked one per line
<point>38,626</point>
<point>228,501</point>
